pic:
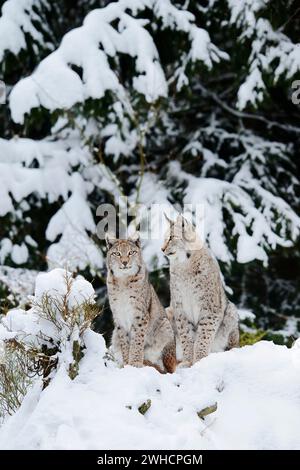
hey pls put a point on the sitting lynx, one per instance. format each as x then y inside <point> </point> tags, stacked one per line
<point>143,334</point>
<point>204,320</point>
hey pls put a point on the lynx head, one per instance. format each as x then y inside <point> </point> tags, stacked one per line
<point>124,257</point>
<point>180,239</point>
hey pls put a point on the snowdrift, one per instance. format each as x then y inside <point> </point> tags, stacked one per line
<point>257,389</point>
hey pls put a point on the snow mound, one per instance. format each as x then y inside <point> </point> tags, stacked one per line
<point>60,282</point>
<point>256,389</point>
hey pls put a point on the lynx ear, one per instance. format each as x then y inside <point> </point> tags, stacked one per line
<point>171,222</point>
<point>180,221</point>
<point>183,223</point>
<point>110,240</point>
<point>135,238</point>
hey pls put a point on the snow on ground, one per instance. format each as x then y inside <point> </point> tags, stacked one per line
<point>257,389</point>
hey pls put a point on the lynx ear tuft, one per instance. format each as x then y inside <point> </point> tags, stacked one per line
<point>182,221</point>
<point>171,222</point>
<point>135,238</point>
<point>110,240</point>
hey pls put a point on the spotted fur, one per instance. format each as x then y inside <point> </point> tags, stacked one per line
<point>143,334</point>
<point>203,318</point>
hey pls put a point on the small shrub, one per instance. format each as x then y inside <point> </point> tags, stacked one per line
<point>51,332</point>
<point>249,338</point>
<point>16,375</point>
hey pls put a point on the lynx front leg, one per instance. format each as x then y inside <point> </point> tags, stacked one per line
<point>205,334</point>
<point>186,336</point>
<point>231,320</point>
<point>124,344</point>
<point>234,339</point>
<point>137,345</point>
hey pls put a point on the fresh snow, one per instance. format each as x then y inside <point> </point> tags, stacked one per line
<point>53,180</point>
<point>269,47</point>
<point>55,85</point>
<point>256,389</point>
<point>64,169</point>
<point>33,326</point>
<point>17,19</point>
<point>271,52</point>
<point>20,282</point>
<point>59,282</point>
<point>214,195</point>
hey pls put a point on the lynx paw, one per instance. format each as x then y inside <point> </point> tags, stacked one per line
<point>136,364</point>
<point>184,364</point>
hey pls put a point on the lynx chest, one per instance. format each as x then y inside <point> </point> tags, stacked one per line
<point>124,305</point>
<point>188,293</point>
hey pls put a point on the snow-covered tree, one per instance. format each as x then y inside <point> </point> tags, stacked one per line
<point>166,102</point>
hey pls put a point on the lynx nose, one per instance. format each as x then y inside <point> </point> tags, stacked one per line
<point>124,263</point>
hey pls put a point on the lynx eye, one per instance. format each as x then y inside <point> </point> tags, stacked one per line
<point>116,253</point>
<point>131,253</point>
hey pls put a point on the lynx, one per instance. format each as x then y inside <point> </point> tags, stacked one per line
<point>143,334</point>
<point>203,318</point>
